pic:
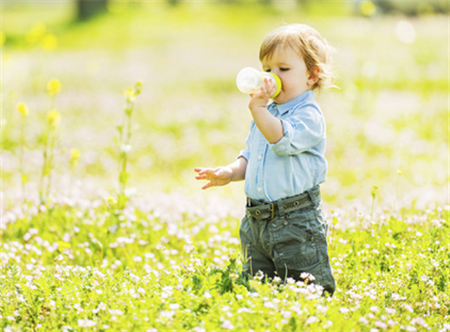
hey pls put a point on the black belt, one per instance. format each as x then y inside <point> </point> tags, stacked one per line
<point>268,210</point>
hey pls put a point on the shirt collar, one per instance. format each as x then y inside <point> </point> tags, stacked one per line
<point>301,99</point>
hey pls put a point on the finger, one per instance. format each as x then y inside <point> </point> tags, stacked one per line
<point>206,186</point>
<point>204,171</point>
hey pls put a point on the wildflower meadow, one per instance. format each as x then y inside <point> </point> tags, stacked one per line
<point>103,226</point>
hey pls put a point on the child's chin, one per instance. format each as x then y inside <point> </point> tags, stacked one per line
<point>278,99</point>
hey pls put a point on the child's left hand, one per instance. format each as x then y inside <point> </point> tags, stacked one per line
<point>261,98</point>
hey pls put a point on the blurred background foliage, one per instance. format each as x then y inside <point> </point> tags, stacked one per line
<point>387,121</point>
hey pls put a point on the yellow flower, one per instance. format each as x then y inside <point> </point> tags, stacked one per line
<point>368,8</point>
<point>49,42</point>
<point>36,33</point>
<point>22,108</point>
<point>2,38</point>
<point>54,118</point>
<point>111,200</point>
<point>53,87</point>
<point>75,154</point>
<point>130,94</point>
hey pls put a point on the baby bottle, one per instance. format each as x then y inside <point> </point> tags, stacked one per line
<point>250,80</point>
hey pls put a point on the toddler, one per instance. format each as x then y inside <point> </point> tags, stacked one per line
<point>283,232</point>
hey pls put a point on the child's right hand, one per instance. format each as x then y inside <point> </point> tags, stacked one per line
<point>219,176</point>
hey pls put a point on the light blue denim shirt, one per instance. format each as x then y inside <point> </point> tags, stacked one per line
<point>294,164</point>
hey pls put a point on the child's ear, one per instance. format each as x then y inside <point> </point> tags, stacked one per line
<point>313,76</point>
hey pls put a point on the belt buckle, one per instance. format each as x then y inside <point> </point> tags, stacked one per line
<point>272,210</point>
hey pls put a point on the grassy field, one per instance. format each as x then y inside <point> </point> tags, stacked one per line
<point>170,259</point>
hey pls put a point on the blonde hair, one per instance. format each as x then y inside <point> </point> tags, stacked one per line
<point>308,44</point>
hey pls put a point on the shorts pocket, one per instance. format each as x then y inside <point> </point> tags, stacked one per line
<point>296,253</point>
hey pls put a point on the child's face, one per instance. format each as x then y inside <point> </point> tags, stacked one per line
<point>290,67</point>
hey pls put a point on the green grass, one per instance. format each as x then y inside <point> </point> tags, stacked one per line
<point>170,260</point>
<point>177,270</point>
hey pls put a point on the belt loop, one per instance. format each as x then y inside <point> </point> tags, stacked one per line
<point>315,198</point>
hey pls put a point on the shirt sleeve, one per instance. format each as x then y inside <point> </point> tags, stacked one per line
<point>245,152</point>
<point>304,129</point>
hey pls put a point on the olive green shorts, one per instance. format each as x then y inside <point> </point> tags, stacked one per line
<point>289,244</point>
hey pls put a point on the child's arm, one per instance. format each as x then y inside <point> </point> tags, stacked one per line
<point>222,175</point>
<point>268,125</point>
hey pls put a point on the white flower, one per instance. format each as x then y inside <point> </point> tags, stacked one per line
<point>117,312</point>
<point>269,304</point>
<point>381,325</point>
<point>408,307</point>
<point>364,320</point>
<point>312,320</point>
<point>174,306</point>
<point>243,309</point>
<point>188,248</point>
<point>307,276</point>
<point>199,329</point>
<point>390,310</point>
<point>86,323</point>
<point>227,325</point>
<point>290,281</point>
